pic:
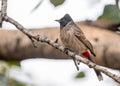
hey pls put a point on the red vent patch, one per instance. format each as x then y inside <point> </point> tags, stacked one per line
<point>86,54</point>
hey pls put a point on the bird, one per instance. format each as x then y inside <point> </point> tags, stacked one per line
<point>74,39</point>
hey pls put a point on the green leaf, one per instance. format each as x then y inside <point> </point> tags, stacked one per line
<point>80,75</point>
<point>11,63</point>
<point>111,14</point>
<point>57,2</point>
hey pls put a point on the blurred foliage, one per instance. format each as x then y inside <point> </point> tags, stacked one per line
<point>57,2</point>
<point>36,7</point>
<point>13,82</point>
<point>11,63</point>
<point>111,14</point>
<point>3,73</point>
<point>54,2</point>
<point>80,75</point>
<point>5,79</point>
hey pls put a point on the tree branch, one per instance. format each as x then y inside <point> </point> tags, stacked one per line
<point>44,39</point>
<point>3,11</point>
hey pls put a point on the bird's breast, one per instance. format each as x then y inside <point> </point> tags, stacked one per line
<point>70,41</point>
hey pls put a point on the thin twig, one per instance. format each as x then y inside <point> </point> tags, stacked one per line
<point>59,47</point>
<point>33,42</point>
<point>37,6</point>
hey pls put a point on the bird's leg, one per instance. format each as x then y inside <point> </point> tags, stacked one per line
<point>75,62</point>
<point>56,41</point>
<point>66,50</point>
<point>78,61</point>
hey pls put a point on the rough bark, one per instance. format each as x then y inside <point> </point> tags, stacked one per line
<point>15,45</point>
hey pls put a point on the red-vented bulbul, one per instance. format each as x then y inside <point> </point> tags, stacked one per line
<point>74,39</point>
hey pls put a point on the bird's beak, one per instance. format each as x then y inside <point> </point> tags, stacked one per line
<point>57,20</point>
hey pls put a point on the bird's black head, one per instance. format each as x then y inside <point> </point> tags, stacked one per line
<point>64,20</point>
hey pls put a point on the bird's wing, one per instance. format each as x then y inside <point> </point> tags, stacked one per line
<point>80,36</point>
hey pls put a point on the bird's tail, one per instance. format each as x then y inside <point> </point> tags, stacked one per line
<point>99,75</point>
